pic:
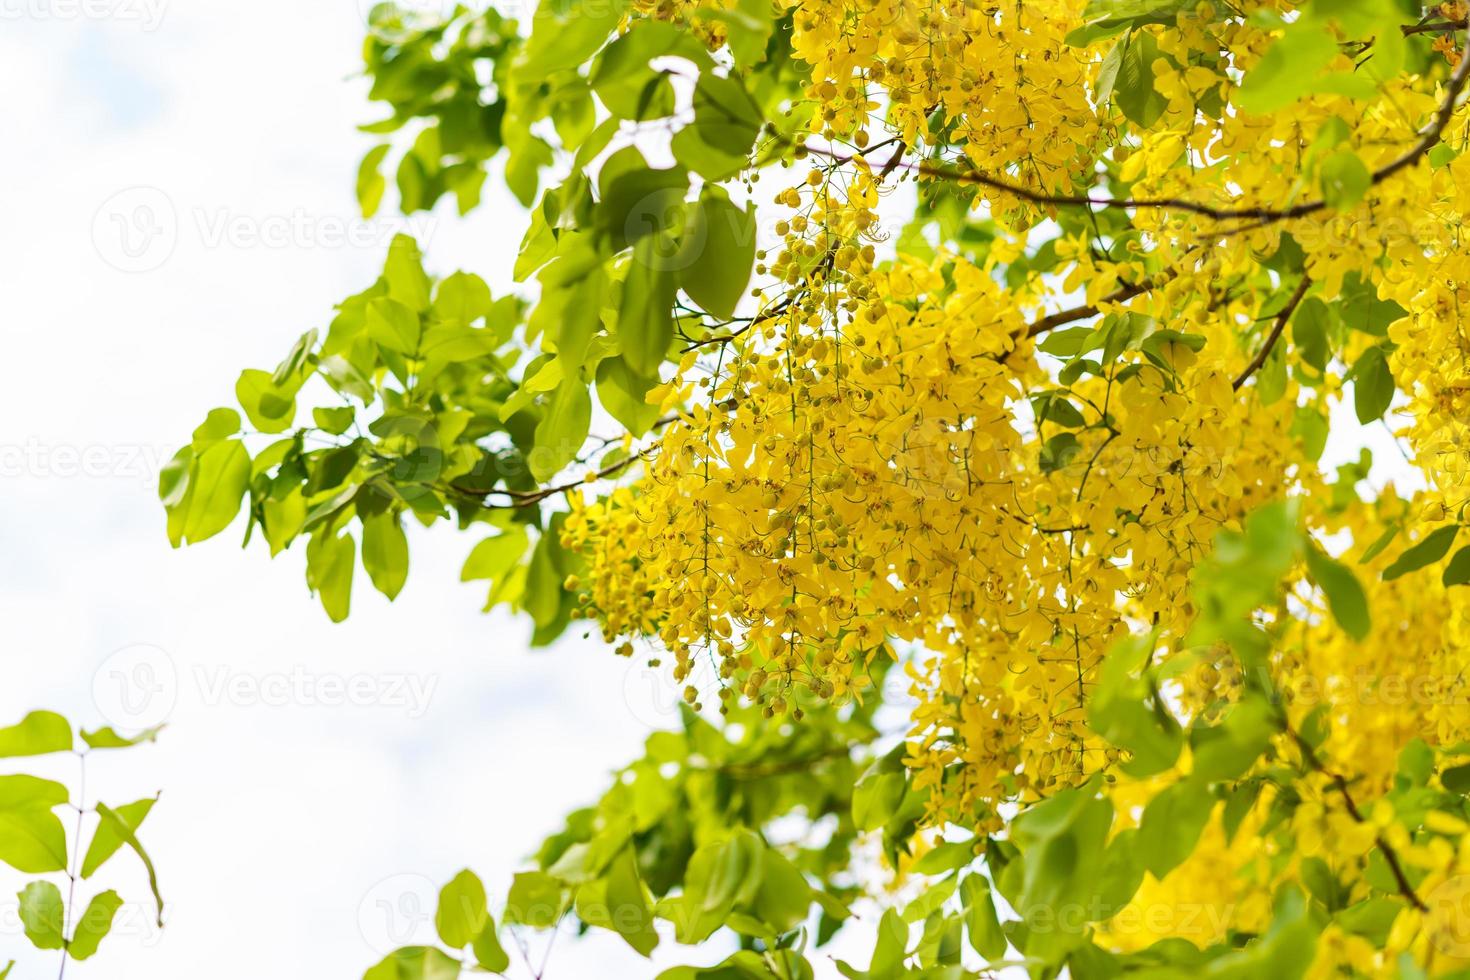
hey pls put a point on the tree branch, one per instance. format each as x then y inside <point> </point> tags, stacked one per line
<point>1275,334</point>
<point>1063,317</point>
<point>1428,139</point>
<point>1433,27</point>
<point>1339,782</point>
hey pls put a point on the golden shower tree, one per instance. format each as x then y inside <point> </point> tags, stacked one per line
<point>967,404</point>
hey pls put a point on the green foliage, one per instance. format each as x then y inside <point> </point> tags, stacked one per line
<point>34,841</point>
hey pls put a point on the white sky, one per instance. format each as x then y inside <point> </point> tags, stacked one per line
<point>285,833</point>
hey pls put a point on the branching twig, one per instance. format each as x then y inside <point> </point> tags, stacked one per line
<point>1276,328</point>
<point>1428,139</point>
<point>1339,782</point>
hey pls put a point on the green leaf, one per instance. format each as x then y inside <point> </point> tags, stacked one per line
<point>1457,572</point>
<point>1133,89</point>
<point>1345,180</point>
<point>462,298</point>
<point>631,915</point>
<point>462,913</point>
<point>536,899</point>
<point>1288,69</point>
<point>404,271</point>
<point>1372,385</point>
<point>892,946</point>
<point>385,553</point>
<point>1345,596</point>
<point>415,963</point>
<point>718,252</point>
<point>949,856</point>
<point>1309,332</point>
<point>38,733</point>
<point>221,423</point>
<point>23,792</point>
<point>563,429</point>
<point>736,872</point>
<point>1431,548</point>
<point>106,738</point>
<point>645,316</point>
<point>106,841</point>
<point>637,201</point>
<point>564,34</point>
<point>717,144</point>
<point>41,915</point>
<point>980,918</point>
<point>393,325</point>
<point>1227,751</point>
<point>94,925</point>
<point>623,79</point>
<point>124,829</point>
<point>370,182</point>
<point>487,949</point>
<point>1172,823</point>
<point>270,407</point>
<point>494,557</point>
<point>1456,779</point>
<point>876,798</point>
<point>748,26</point>
<point>334,420</point>
<point>622,392</point>
<point>219,478</point>
<point>1107,74</point>
<point>1310,427</point>
<point>784,897</point>
<point>32,840</point>
<point>330,559</point>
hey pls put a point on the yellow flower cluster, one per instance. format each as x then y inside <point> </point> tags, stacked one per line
<point>999,77</point>
<point>881,458</point>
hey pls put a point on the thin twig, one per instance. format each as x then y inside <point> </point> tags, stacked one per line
<point>1428,139</point>
<point>1339,782</point>
<point>1062,317</point>
<point>1276,328</point>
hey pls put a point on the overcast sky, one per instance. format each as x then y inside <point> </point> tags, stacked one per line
<point>178,190</point>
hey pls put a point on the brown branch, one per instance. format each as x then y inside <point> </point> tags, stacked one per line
<point>1428,139</point>
<point>1063,317</point>
<point>521,499</point>
<point>1340,783</point>
<point>764,316</point>
<point>1276,328</point>
<point>1433,27</point>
